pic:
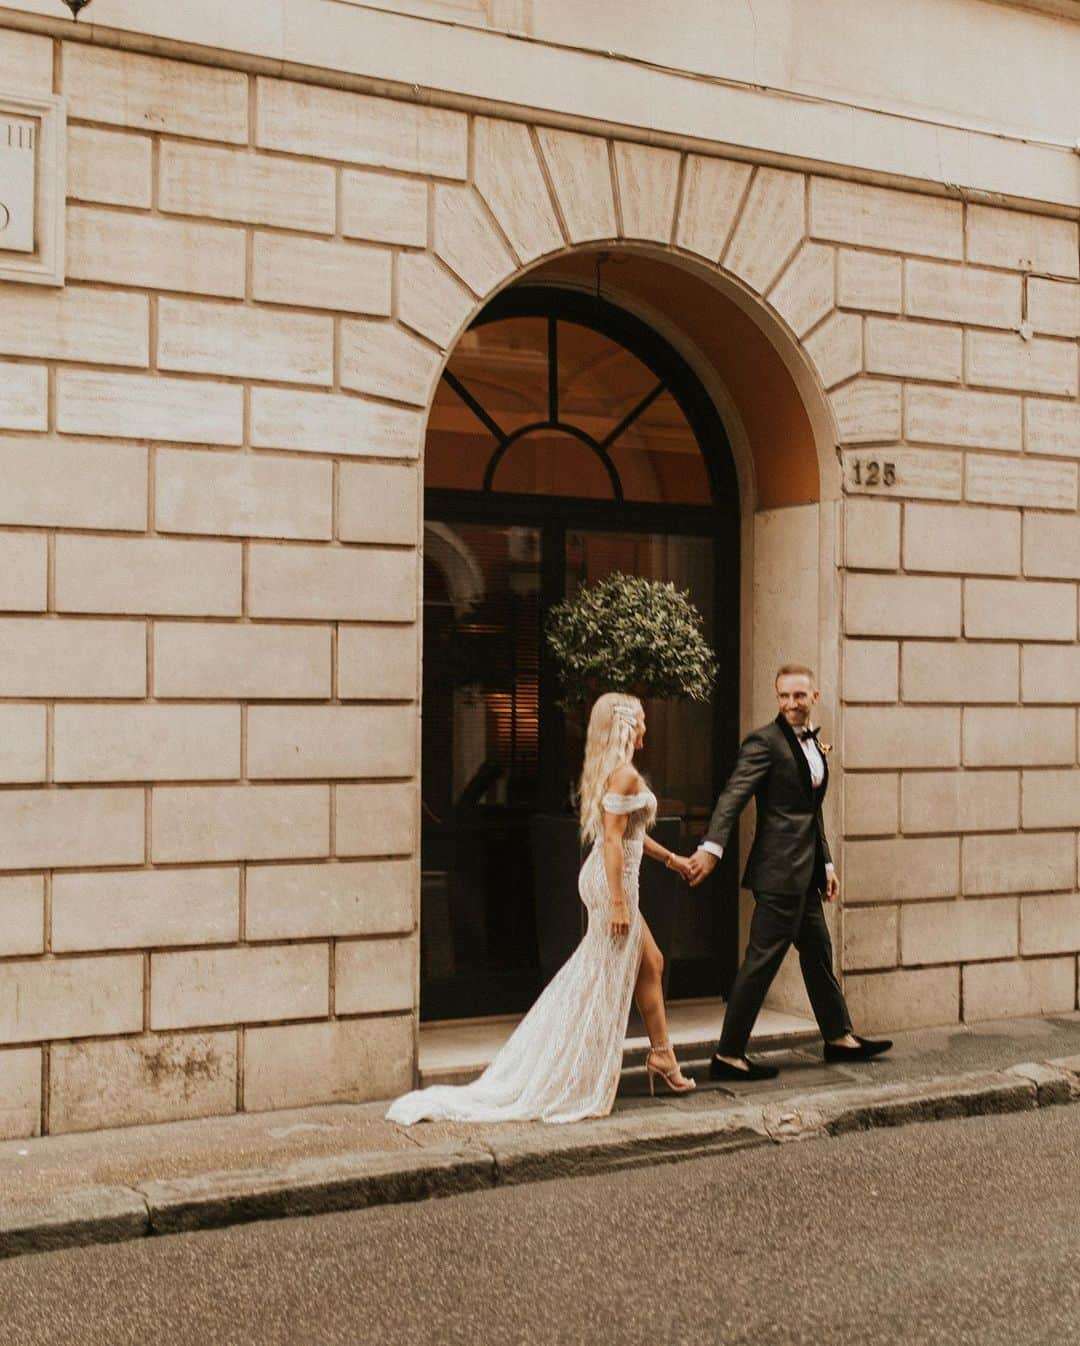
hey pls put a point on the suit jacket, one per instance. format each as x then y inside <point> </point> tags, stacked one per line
<point>790,849</point>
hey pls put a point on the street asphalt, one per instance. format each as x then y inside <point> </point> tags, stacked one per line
<point>964,1233</point>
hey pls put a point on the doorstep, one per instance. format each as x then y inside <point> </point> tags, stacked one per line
<point>455,1052</point>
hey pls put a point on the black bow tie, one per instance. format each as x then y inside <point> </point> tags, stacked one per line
<point>810,734</point>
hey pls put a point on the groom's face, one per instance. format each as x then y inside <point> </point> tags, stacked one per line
<point>796,696</point>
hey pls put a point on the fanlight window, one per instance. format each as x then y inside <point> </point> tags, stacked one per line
<point>549,406</point>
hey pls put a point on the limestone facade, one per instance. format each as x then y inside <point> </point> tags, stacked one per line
<point>211,441</point>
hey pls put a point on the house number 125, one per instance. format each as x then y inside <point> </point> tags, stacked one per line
<point>869,472</point>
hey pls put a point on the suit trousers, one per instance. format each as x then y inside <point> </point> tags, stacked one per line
<point>780,920</point>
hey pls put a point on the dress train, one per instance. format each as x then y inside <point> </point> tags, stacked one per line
<point>562,1061</point>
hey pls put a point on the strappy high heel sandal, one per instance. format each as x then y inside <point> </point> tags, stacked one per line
<point>675,1080</point>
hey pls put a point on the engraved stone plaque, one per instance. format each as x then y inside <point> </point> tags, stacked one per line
<point>32,189</point>
<point>18,162</point>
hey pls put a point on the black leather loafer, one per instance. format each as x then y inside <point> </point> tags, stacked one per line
<point>865,1051</point>
<point>721,1070</point>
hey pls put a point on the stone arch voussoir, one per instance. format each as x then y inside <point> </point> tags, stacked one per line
<point>534,193</point>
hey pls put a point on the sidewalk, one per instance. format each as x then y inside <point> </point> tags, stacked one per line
<point>129,1183</point>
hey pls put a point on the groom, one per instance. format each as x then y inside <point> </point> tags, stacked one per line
<point>790,871</point>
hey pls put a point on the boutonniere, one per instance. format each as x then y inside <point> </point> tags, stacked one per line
<point>824,748</point>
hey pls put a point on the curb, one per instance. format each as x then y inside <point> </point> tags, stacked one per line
<point>313,1187</point>
<point>355,1181</point>
<point>74,1219</point>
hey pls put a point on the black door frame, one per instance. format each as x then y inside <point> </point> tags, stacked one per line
<point>556,516</point>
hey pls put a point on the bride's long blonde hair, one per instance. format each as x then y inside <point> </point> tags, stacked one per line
<point>609,745</point>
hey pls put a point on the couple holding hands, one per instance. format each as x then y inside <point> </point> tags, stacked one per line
<point>563,1060</point>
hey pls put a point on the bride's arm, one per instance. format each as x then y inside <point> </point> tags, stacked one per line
<point>614,830</point>
<point>669,859</point>
<point>624,781</point>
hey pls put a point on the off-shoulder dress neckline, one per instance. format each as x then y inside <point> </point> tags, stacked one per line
<point>613,802</point>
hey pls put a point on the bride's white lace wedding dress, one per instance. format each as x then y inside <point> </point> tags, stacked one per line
<point>562,1062</point>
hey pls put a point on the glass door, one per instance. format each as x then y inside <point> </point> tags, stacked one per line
<point>481,754</point>
<point>679,758</point>
<point>501,760</point>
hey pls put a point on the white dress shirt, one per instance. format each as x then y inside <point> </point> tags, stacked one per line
<point>814,761</point>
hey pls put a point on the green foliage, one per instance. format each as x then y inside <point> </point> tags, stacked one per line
<point>626,634</point>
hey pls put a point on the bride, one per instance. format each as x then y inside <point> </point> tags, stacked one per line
<point>562,1062</point>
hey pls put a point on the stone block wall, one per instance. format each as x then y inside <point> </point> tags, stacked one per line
<point>208,599</point>
<point>961,789</point>
<point>962,792</point>
<point>209,528</point>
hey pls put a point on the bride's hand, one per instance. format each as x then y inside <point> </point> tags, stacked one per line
<point>620,918</point>
<point>680,864</point>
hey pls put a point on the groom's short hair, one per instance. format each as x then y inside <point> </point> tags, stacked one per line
<point>788,670</point>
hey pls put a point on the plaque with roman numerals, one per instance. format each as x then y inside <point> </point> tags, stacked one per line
<point>17,181</point>
<point>32,189</point>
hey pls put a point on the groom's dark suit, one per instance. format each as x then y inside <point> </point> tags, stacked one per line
<point>786,871</point>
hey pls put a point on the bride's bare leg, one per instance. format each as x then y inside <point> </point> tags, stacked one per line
<point>649,997</point>
<point>649,987</point>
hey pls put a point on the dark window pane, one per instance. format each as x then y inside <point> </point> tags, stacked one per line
<point>548,462</point>
<point>678,755</point>
<point>505,367</point>
<point>479,766</point>
<point>599,380</point>
<point>458,447</point>
<point>658,458</point>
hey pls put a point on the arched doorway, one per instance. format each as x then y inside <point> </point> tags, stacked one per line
<point>567,439</point>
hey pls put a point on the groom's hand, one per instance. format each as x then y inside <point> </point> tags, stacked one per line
<point>702,864</point>
<point>832,885</point>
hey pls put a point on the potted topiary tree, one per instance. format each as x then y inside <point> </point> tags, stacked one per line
<point>628,634</point>
<point>623,633</point>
